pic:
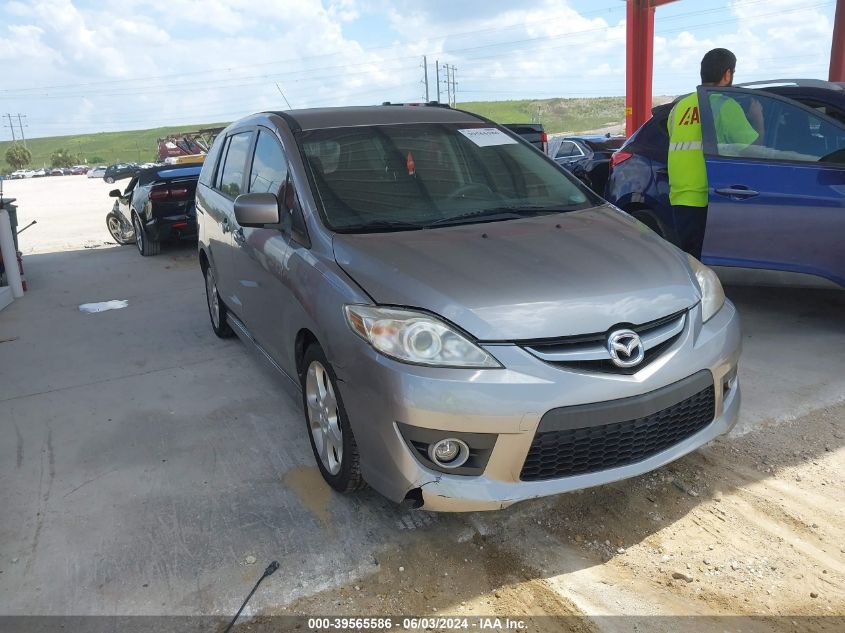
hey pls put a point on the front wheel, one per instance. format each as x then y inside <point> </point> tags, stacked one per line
<point>116,230</point>
<point>109,180</point>
<point>328,426</point>
<point>647,217</point>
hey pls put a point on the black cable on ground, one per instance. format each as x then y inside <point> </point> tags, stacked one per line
<point>271,569</point>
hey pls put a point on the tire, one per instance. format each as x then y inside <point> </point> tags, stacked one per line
<point>109,180</point>
<point>216,308</point>
<point>146,246</point>
<point>647,217</point>
<point>115,227</point>
<point>327,424</point>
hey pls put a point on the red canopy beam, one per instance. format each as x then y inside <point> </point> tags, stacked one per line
<point>837,48</point>
<point>639,61</point>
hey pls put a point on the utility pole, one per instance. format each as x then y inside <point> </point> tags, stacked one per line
<point>11,127</point>
<point>437,77</point>
<point>447,80</point>
<point>425,76</point>
<point>451,85</point>
<point>20,125</point>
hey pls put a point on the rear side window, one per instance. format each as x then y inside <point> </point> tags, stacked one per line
<point>652,139</point>
<point>269,165</point>
<point>231,178</point>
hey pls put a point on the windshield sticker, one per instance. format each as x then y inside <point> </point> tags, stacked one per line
<point>487,136</point>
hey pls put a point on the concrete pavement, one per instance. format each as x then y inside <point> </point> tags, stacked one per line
<point>144,460</point>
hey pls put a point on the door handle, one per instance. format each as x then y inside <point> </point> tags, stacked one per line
<point>737,191</point>
<point>238,235</point>
<point>224,225</point>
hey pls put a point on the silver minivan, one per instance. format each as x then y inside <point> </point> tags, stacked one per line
<point>468,325</point>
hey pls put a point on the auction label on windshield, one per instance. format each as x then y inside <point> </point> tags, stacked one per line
<point>487,136</point>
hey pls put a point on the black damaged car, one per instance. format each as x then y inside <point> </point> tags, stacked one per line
<point>157,205</point>
<point>119,171</point>
<point>588,158</point>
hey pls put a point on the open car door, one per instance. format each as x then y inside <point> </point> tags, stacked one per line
<point>776,198</point>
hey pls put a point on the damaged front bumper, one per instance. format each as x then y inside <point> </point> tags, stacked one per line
<point>382,397</point>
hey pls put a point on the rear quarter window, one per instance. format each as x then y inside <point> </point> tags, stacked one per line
<point>652,139</point>
<point>209,167</point>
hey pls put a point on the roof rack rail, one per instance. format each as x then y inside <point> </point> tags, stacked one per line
<point>801,83</point>
<point>429,104</point>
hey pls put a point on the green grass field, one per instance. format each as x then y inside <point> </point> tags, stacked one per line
<point>112,147</point>
<point>557,115</point>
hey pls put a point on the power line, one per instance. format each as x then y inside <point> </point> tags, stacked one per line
<point>476,32</point>
<point>311,76</point>
<point>310,72</point>
<point>389,67</point>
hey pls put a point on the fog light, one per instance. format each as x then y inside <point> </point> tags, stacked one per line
<point>449,453</point>
<point>729,381</point>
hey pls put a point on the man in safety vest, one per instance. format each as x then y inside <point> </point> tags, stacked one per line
<point>687,172</point>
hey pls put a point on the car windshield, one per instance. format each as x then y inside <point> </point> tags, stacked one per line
<point>415,176</point>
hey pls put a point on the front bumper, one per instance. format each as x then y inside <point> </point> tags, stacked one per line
<point>380,395</point>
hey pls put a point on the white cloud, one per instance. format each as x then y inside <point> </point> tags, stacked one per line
<point>192,61</point>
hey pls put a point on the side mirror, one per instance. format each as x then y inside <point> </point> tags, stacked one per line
<point>114,193</point>
<point>257,209</point>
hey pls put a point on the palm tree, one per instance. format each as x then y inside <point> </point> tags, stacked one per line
<point>18,156</point>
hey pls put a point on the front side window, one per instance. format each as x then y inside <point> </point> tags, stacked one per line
<point>416,176</point>
<point>269,165</point>
<point>790,132</point>
<point>232,174</point>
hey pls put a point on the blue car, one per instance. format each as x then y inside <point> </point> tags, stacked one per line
<point>776,205</point>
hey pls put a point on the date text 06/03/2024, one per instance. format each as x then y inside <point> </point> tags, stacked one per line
<point>415,623</point>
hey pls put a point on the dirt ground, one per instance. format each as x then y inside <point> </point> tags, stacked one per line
<point>751,525</point>
<point>747,526</point>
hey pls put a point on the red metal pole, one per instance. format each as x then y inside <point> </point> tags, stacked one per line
<point>837,48</point>
<point>639,61</point>
<point>639,58</point>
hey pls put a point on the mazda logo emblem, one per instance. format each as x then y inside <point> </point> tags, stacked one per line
<point>626,348</point>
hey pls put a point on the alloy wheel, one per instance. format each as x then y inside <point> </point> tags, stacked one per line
<point>323,417</point>
<point>212,297</point>
<point>115,229</point>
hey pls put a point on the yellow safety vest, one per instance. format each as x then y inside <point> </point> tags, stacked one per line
<point>687,171</point>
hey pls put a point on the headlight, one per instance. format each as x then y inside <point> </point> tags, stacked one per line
<point>415,337</point>
<point>712,295</point>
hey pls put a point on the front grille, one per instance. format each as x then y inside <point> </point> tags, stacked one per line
<point>589,352</point>
<point>588,449</point>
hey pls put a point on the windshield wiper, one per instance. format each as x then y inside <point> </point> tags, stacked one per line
<point>496,214</point>
<point>381,226</point>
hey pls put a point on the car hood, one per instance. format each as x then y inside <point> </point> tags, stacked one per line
<point>543,277</point>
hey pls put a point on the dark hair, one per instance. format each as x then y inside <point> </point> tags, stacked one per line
<point>715,63</point>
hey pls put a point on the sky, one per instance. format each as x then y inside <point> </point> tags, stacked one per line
<point>79,66</point>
